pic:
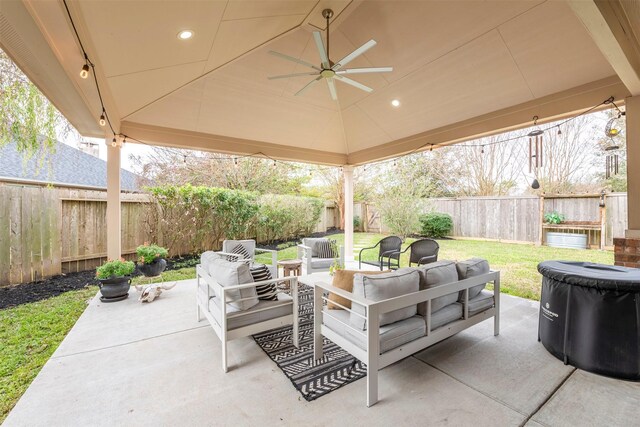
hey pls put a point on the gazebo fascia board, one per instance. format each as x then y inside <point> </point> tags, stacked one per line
<point>177,138</point>
<point>550,108</point>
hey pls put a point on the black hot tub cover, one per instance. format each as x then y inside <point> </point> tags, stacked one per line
<point>590,275</point>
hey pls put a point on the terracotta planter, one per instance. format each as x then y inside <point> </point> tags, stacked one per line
<point>115,288</point>
<point>153,269</point>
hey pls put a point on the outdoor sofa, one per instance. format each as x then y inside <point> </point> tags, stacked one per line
<point>250,307</point>
<point>394,315</point>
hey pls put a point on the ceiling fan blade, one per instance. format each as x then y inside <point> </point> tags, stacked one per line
<point>307,86</point>
<point>365,70</point>
<point>321,50</point>
<point>332,89</point>
<point>286,76</point>
<point>354,83</point>
<point>353,55</point>
<point>292,59</point>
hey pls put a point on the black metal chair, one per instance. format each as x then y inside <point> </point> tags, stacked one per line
<point>389,248</point>
<point>422,251</point>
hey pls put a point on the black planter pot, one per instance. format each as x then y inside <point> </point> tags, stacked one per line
<point>115,288</point>
<point>153,269</point>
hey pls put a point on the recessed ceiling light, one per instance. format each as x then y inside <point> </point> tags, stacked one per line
<point>185,34</point>
<point>395,103</point>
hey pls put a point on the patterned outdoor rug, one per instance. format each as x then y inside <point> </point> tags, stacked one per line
<point>312,379</point>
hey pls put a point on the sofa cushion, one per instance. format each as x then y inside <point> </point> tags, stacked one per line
<point>382,287</point>
<point>482,302</point>
<point>343,279</point>
<point>446,315</point>
<point>471,268</point>
<point>391,336</point>
<point>264,310</point>
<point>260,272</point>
<point>231,274</point>
<point>436,274</point>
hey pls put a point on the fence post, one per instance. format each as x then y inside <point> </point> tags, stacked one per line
<point>541,221</point>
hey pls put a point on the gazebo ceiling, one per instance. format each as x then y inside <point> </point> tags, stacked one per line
<point>461,69</point>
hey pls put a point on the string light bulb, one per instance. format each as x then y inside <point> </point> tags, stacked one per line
<point>274,164</point>
<point>559,131</point>
<point>235,162</point>
<point>84,73</point>
<point>482,150</point>
<point>114,143</point>
<point>395,163</point>
<point>102,120</point>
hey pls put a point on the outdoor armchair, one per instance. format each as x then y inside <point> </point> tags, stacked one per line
<point>249,245</point>
<point>228,298</point>
<point>312,260</point>
<point>389,248</point>
<point>421,252</point>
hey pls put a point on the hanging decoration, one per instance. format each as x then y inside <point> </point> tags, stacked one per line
<point>535,148</point>
<point>612,130</point>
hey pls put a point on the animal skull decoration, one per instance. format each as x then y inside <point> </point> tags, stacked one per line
<point>151,292</point>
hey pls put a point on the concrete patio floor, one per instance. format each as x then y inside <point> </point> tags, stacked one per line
<point>152,364</point>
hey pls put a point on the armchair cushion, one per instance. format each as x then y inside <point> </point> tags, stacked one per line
<point>471,268</point>
<point>391,336</point>
<point>436,274</point>
<point>248,244</point>
<point>325,249</point>
<point>322,262</point>
<point>343,279</point>
<point>241,250</point>
<point>231,274</point>
<point>267,292</point>
<point>311,242</point>
<point>264,310</point>
<point>381,287</point>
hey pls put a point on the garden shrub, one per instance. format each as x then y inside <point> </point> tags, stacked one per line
<point>435,224</point>
<point>357,222</point>
<point>284,217</point>
<point>397,207</point>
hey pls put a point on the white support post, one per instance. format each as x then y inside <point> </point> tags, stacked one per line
<point>114,249</point>
<point>632,105</point>
<point>348,212</point>
<point>373,354</point>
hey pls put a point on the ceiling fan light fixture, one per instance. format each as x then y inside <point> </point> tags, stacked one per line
<point>395,103</point>
<point>185,34</point>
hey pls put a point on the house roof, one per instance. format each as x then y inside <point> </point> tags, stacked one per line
<point>462,69</point>
<point>65,166</point>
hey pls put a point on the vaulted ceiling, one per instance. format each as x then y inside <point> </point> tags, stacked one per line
<point>461,69</point>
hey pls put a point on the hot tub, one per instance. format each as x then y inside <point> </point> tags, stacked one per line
<point>590,316</point>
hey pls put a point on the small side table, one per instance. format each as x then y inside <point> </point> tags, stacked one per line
<point>291,267</point>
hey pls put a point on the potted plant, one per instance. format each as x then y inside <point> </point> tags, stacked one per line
<point>115,279</point>
<point>151,259</point>
<point>554,218</point>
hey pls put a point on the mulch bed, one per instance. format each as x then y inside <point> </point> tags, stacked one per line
<point>24,293</point>
<point>11,296</point>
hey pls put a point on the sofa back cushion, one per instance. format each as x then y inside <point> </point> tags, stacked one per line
<point>311,242</point>
<point>436,274</point>
<point>471,268</point>
<point>231,274</point>
<point>249,246</point>
<point>380,287</point>
<point>343,279</point>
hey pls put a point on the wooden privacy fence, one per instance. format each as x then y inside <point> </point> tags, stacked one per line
<point>520,219</point>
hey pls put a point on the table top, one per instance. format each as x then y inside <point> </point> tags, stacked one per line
<point>312,279</point>
<point>290,262</point>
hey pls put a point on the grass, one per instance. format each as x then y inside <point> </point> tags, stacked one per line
<point>30,333</point>
<point>517,262</point>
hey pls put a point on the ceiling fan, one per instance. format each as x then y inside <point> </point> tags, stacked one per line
<point>329,70</point>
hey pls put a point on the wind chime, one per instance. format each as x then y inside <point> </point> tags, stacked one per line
<point>535,152</point>
<point>611,130</point>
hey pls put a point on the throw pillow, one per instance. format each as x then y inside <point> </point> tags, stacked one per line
<point>343,279</point>
<point>325,249</point>
<point>266,292</point>
<point>241,250</point>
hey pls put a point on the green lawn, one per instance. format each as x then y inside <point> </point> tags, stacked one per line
<point>30,333</point>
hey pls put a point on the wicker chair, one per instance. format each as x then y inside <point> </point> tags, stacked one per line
<point>422,251</point>
<point>389,248</point>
